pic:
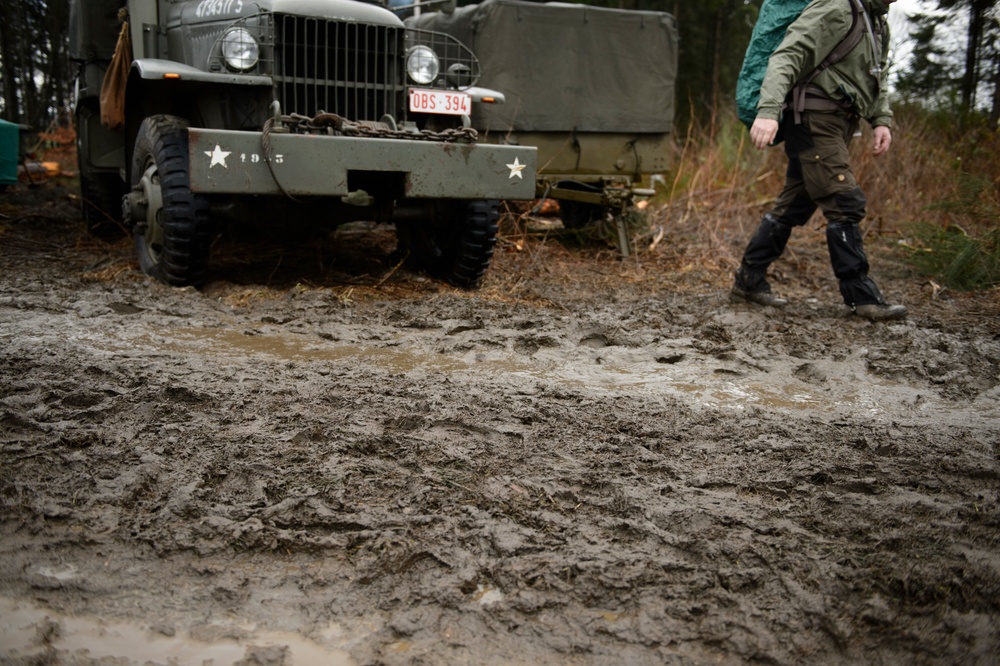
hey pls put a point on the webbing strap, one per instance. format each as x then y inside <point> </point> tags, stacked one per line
<point>812,98</point>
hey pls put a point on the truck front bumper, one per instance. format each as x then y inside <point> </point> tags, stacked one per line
<point>231,162</point>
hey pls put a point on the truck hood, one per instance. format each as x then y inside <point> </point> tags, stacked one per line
<point>201,11</point>
<point>344,10</point>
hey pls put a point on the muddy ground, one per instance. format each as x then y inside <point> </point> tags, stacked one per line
<point>321,458</point>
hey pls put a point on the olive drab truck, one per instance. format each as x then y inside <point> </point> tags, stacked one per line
<point>592,88</point>
<point>270,111</point>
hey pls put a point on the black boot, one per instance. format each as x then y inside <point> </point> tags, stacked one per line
<point>737,295</point>
<point>881,311</point>
<point>765,246</point>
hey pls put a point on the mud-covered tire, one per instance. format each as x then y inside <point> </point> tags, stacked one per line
<point>172,234</point>
<point>456,243</point>
<point>101,192</point>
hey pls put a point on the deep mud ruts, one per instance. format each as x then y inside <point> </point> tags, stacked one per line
<point>286,472</point>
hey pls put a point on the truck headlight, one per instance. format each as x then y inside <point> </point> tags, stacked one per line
<point>422,65</point>
<point>240,49</point>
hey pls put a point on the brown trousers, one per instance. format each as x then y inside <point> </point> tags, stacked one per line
<point>819,176</point>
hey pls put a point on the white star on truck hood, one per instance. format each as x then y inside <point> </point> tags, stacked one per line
<point>219,156</point>
<point>515,169</point>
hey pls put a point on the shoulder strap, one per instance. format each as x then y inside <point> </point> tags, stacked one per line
<point>860,25</point>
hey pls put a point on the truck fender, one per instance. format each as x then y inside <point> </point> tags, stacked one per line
<point>157,86</point>
<point>156,69</point>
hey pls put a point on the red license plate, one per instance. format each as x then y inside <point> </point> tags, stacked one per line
<point>447,102</point>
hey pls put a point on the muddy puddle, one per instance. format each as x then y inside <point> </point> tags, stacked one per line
<point>28,631</point>
<point>673,368</point>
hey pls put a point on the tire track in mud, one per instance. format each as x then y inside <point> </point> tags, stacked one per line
<point>454,479</point>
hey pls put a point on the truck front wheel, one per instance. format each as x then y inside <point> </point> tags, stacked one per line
<point>455,243</point>
<point>171,223</point>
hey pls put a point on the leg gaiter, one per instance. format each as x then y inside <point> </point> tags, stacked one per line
<point>765,246</point>
<point>850,264</point>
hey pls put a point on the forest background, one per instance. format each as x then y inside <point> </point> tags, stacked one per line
<point>938,196</point>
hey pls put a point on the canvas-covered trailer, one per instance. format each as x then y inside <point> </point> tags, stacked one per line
<point>592,88</point>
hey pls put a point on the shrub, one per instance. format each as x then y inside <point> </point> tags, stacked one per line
<point>957,259</point>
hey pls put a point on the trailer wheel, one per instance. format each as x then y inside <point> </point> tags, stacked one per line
<point>172,225</point>
<point>456,242</point>
<point>101,192</point>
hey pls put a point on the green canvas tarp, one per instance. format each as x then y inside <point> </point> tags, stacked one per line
<point>565,67</point>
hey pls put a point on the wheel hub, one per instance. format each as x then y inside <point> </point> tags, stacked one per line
<point>143,206</point>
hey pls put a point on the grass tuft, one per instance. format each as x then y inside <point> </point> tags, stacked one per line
<point>958,260</point>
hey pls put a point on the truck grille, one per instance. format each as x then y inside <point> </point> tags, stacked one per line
<point>353,70</point>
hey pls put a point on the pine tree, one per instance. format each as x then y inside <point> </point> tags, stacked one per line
<point>930,76</point>
<point>36,81</point>
<point>976,79</point>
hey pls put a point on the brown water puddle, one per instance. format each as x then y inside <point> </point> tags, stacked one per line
<point>696,383</point>
<point>28,630</point>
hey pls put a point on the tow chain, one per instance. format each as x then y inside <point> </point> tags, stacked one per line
<point>334,125</point>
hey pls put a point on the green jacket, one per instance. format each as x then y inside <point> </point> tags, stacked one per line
<point>810,38</point>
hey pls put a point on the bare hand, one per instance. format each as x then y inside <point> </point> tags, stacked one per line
<point>883,138</point>
<point>762,132</point>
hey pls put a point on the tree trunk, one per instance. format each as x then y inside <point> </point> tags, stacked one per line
<point>716,66</point>
<point>995,111</point>
<point>56,92</point>
<point>9,57</point>
<point>970,78</point>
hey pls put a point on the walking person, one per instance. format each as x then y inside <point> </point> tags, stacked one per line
<point>817,109</point>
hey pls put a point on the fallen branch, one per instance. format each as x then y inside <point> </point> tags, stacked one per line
<point>393,270</point>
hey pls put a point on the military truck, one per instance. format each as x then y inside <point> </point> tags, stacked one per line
<point>274,111</point>
<point>592,88</point>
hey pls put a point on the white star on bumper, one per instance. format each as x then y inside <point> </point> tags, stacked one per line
<point>219,156</point>
<point>515,169</point>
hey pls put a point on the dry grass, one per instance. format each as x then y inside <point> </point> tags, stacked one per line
<point>719,191</point>
<point>702,217</point>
